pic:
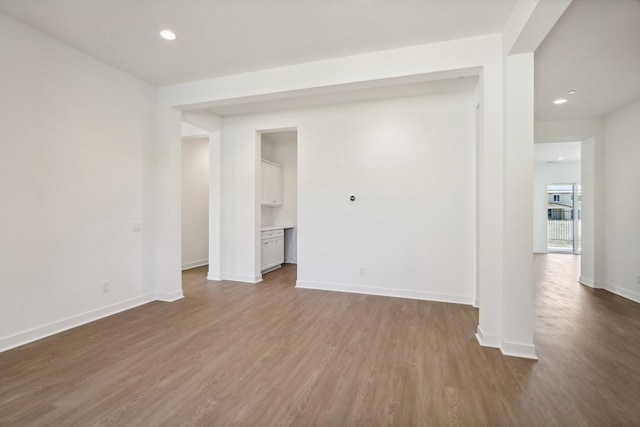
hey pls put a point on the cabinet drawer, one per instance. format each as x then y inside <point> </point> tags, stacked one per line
<point>271,234</point>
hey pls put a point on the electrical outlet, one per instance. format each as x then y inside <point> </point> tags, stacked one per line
<point>105,287</point>
<point>137,226</point>
<point>362,271</point>
<point>638,278</point>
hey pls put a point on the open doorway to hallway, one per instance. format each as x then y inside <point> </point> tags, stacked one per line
<point>557,198</point>
<point>195,170</point>
<point>563,218</point>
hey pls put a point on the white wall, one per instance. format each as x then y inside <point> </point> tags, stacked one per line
<point>195,202</point>
<point>483,56</point>
<point>411,165</point>
<point>76,157</point>
<point>190,131</point>
<point>545,174</point>
<point>622,202</point>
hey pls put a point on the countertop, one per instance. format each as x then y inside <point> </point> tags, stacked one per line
<point>276,227</point>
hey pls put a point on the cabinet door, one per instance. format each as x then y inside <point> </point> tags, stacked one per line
<point>277,186</point>
<point>278,250</point>
<point>272,184</point>
<point>266,254</point>
<point>266,184</point>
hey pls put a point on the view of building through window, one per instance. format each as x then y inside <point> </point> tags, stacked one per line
<point>563,218</point>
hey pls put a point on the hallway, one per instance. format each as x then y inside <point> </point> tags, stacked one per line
<point>588,343</point>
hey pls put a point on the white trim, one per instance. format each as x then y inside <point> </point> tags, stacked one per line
<point>241,278</point>
<point>625,293</point>
<point>476,303</point>
<point>269,162</point>
<point>290,260</point>
<point>196,136</point>
<point>25,337</point>
<point>487,340</point>
<point>586,281</point>
<point>270,269</point>
<point>516,349</point>
<point>169,296</point>
<point>591,283</point>
<point>195,264</point>
<point>386,292</point>
<point>540,251</point>
<point>214,276</point>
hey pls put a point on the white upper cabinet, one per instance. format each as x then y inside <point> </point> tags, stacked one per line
<point>272,184</point>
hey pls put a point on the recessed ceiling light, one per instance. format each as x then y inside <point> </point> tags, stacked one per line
<point>572,91</point>
<point>560,158</point>
<point>168,35</point>
<point>559,101</point>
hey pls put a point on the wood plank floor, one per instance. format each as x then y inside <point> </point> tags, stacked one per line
<point>273,355</point>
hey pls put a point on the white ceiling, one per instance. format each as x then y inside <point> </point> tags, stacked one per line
<point>220,37</point>
<point>556,152</point>
<point>595,49</point>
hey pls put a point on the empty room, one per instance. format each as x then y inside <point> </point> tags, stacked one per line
<point>410,213</point>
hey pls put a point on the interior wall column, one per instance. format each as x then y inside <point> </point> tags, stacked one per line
<point>215,200</point>
<point>517,295</point>
<point>167,204</point>
<point>490,199</point>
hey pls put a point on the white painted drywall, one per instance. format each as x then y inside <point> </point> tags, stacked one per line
<point>76,139</point>
<point>545,174</point>
<point>409,162</point>
<point>622,202</point>
<point>195,202</point>
<point>517,338</point>
<point>593,207</point>
<point>190,131</point>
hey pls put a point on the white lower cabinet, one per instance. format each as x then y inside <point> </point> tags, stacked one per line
<point>272,253</point>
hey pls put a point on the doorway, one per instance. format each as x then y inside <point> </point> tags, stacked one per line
<point>195,171</point>
<point>278,199</point>
<point>563,218</point>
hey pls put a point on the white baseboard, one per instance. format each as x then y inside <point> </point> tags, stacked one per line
<point>269,270</point>
<point>195,264</point>
<point>586,281</point>
<point>22,338</point>
<point>526,351</point>
<point>625,293</point>
<point>386,292</point>
<point>241,278</point>
<point>290,260</point>
<point>169,296</point>
<point>214,276</point>
<point>476,302</point>
<point>487,340</point>
<point>592,283</point>
<point>540,251</point>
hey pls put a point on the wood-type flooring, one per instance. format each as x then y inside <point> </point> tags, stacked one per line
<point>273,355</point>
